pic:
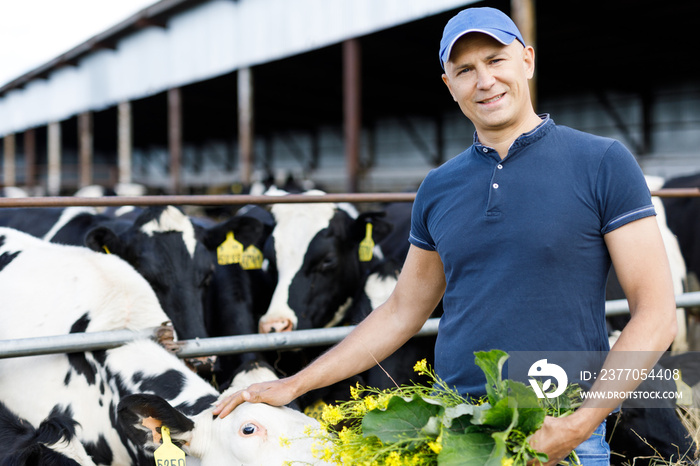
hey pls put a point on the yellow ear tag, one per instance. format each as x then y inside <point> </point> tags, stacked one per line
<point>168,454</point>
<point>252,258</point>
<point>367,245</point>
<point>230,251</point>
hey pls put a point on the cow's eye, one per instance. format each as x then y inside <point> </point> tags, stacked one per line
<point>249,429</point>
<point>329,262</point>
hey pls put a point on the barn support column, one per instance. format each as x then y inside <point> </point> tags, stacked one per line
<point>53,175</point>
<point>10,149</point>
<point>246,128</point>
<point>352,116</point>
<point>523,14</point>
<point>175,137</point>
<point>85,149</point>
<point>124,141</point>
<point>30,158</point>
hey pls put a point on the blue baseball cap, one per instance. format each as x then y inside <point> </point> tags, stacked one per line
<point>485,20</point>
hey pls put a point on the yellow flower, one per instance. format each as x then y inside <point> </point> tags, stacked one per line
<point>421,366</point>
<point>355,391</point>
<point>332,414</point>
<point>506,461</point>
<point>371,403</point>
<point>284,441</point>
<point>435,446</point>
<point>394,459</point>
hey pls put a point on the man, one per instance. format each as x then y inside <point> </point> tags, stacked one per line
<point>518,233</point>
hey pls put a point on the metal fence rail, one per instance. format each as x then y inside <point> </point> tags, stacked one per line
<point>234,344</point>
<point>242,199</point>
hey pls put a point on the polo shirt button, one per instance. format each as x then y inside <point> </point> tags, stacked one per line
<point>495,186</point>
<point>499,166</point>
<point>485,149</point>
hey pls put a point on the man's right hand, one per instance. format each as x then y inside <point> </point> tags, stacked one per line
<point>274,393</point>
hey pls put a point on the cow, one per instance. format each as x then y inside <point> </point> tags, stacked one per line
<point>175,256</point>
<point>53,443</point>
<point>321,282</point>
<point>108,392</point>
<point>682,214</point>
<point>678,273</point>
<point>646,432</point>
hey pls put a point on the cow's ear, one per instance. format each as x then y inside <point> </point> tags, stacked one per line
<point>142,415</point>
<point>103,239</point>
<point>380,227</point>
<point>246,230</point>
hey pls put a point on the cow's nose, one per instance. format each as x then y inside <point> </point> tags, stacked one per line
<point>203,365</point>
<point>276,326</point>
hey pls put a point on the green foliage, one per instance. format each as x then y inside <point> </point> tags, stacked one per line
<point>424,425</point>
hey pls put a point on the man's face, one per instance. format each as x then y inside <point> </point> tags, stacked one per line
<point>489,81</point>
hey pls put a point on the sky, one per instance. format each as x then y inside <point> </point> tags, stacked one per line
<point>32,32</point>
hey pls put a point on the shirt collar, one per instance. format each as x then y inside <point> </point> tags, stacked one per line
<point>526,138</point>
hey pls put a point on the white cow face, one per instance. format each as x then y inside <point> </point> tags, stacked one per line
<point>252,435</point>
<point>255,434</point>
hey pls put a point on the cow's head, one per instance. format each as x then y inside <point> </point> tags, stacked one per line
<point>317,262</point>
<point>252,434</point>
<point>174,256</point>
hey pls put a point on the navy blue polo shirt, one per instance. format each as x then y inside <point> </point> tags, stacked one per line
<point>521,241</point>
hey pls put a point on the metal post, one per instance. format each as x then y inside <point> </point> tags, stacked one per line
<point>9,146</point>
<point>85,139</point>
<point>352,113</point>
<point>523,14</point>
<point>53,178</point>
<point>124,142</point>
<point>30,158</point>
<point>175,137</point>
<point>246,129</point>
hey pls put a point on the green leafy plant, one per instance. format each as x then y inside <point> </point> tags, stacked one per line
<point>434,425</point>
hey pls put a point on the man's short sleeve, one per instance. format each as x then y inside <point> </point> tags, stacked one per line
<point>420,236</point>
<point>621,190</point>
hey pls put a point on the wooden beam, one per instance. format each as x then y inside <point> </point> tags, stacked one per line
<point>524,16</point>
<point>53,176</point>
<point>246,130</point>
<point>30,158</point>
<point>175,137</point>
<point>10,153</point>
<point>85,149</point>
<point>124,141</point>
<point>352,113</point>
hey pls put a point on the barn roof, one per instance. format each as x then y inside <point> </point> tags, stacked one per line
<point>178,42</point>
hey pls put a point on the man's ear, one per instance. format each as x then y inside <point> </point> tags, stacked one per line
<point>142,415</point>
<point>446,80</point>
<point>529,61</point>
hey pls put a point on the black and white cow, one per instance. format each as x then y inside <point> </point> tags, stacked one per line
<point>642,433</point>
<point>676,263</point>
<point>53,443</point>
<point>83,291</point>
<point>161,243</point>
<point>314,251</point>
<point>322,283</point>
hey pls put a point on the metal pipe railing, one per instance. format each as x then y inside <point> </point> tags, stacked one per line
<point>76,342</point>
<point>242,199</point>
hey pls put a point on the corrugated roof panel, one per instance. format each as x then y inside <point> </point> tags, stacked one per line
<point>208,40</point>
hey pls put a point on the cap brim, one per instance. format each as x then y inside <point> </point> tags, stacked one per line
<point>502,38</point>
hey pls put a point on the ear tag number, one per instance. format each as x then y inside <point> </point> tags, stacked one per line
<point>367,245</point>
<point>168,454</point>
<point>252,258</point>
<point>230,251</point>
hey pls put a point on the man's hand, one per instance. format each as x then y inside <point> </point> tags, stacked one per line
<point>557,438</point>
<point>274,393</point>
